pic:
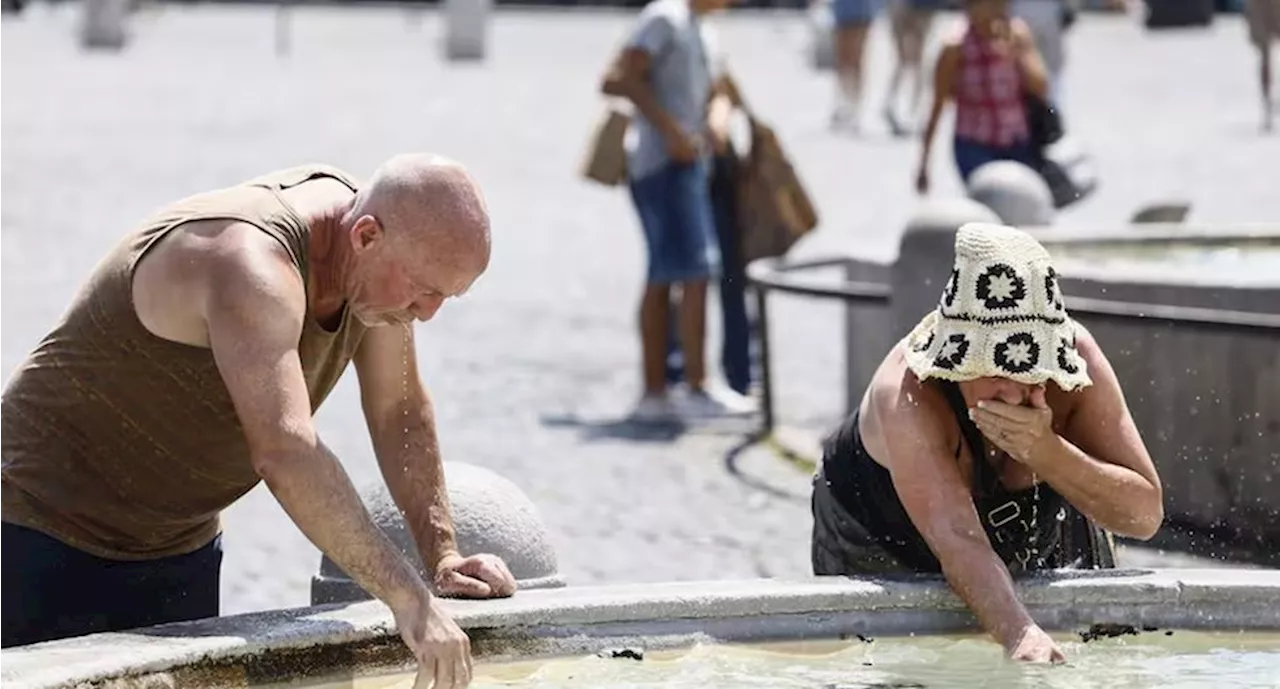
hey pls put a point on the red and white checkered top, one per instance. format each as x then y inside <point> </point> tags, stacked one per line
<point>989,107</point>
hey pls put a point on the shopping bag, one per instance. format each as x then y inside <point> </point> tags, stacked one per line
<point>606,158</point>
<point>774,209</point>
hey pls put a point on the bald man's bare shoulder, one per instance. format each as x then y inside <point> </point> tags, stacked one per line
<point>174,281</point>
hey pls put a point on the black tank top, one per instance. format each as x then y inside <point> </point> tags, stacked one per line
<point>1024,526</point>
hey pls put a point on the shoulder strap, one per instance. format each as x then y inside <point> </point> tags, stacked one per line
<point>984,478</point>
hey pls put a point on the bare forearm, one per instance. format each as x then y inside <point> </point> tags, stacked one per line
<point>930,129</point>
<point>318,496</point>
<point>981,580</point>
<point>1117,498</point>
<point>409,456</point>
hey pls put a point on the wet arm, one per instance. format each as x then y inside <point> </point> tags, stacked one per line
<point>1106,472</point>
<point>937,500</point>
<point>401,424</point>
<point>254,317</point>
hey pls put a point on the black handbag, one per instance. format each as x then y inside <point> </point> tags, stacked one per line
<point>1043,122</point>
<point>1065,168</point>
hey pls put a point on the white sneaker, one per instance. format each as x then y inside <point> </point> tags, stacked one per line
<point>712,402</point>
<point>653,409</point>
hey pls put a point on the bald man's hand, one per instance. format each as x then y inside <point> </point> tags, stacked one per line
<point>441,648</point>
<point>478,576</point>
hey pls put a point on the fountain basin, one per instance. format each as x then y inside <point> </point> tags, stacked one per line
<point>359,639</point>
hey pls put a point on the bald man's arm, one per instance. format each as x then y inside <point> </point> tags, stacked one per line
<point>254,308</point>
<point>402,428</point>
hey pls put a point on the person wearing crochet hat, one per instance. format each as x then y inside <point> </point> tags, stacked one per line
<point>993,440</point>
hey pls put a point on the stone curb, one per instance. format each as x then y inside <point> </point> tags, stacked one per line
<point>582,619</point>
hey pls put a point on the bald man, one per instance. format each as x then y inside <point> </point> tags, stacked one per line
<point>187,369</point>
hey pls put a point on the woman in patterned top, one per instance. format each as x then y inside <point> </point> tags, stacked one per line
<point>993,440</point>
<point>988,72</point>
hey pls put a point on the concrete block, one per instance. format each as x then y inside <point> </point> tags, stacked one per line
<point>925,255</point>
<point>870,331</point>
<point>490,515</point>
<point>466,25</point>
<point>102,24</point>
<point>1015,192</point>
<point>822,40</point>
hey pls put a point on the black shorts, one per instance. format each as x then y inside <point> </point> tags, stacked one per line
<point>53,591</point>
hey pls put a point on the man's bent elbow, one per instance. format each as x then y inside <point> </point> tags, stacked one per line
<point>272,462</point>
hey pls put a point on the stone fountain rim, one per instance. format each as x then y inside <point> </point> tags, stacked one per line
<point>582,619</point>
<point>1173,275</point>
<point>1189,233</point>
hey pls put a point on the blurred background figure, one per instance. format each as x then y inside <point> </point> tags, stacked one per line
<point>1264,27</point>
<point>853,19</point>
<point>910,21</point>
<point>669,72</point>
<point>1048,21</point>
<point>989,73</point>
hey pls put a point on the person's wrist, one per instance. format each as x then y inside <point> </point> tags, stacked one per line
<point>1016,635</point>
<point>1043,450</point>
<point>441,557</point>
<point>410,593</point>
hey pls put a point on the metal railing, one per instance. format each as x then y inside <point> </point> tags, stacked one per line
<point>773,275</point>
<point>776,275</point>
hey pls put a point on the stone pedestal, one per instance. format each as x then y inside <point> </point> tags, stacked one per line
<point>102,24</point>
<point>1013,191</point>
<point>822,39</point>
<point>916,278</point>
<point>490,515</point>
<point>925,255</point>
<point>466,25</point>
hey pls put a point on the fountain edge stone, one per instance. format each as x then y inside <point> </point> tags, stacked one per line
<point>226,652</point>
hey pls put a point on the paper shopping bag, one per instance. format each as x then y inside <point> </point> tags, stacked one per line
<point>606,159</point>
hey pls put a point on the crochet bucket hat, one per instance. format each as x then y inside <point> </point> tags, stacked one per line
<point>1000,315</point>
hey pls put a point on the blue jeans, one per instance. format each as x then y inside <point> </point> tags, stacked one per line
<point>674,205</point>
<point>53,591</point>
<point>971,155</point>
<point>735,353</point>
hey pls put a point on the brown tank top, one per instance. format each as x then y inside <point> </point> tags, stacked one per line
<point>124,444</point>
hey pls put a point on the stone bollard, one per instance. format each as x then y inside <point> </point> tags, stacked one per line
<point>1015,192</point>
<point>102,24</point>
<point>466,28</point>
<point>822,39</point>
<point>490,515</point>
<point>925,254</point>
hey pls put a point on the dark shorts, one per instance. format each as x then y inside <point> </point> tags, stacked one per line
<point>840,546</point>
<point>53,591</point>
<point>674,205</point>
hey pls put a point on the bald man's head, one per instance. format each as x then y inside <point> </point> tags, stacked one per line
<point>420,232</point>
<point>432,200</point>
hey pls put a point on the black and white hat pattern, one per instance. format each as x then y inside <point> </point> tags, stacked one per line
<point>1001,314</point>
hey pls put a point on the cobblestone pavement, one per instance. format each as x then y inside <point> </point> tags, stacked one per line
<point>531,372</point>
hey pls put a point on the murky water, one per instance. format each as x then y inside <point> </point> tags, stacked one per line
<point>1147,660</point>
